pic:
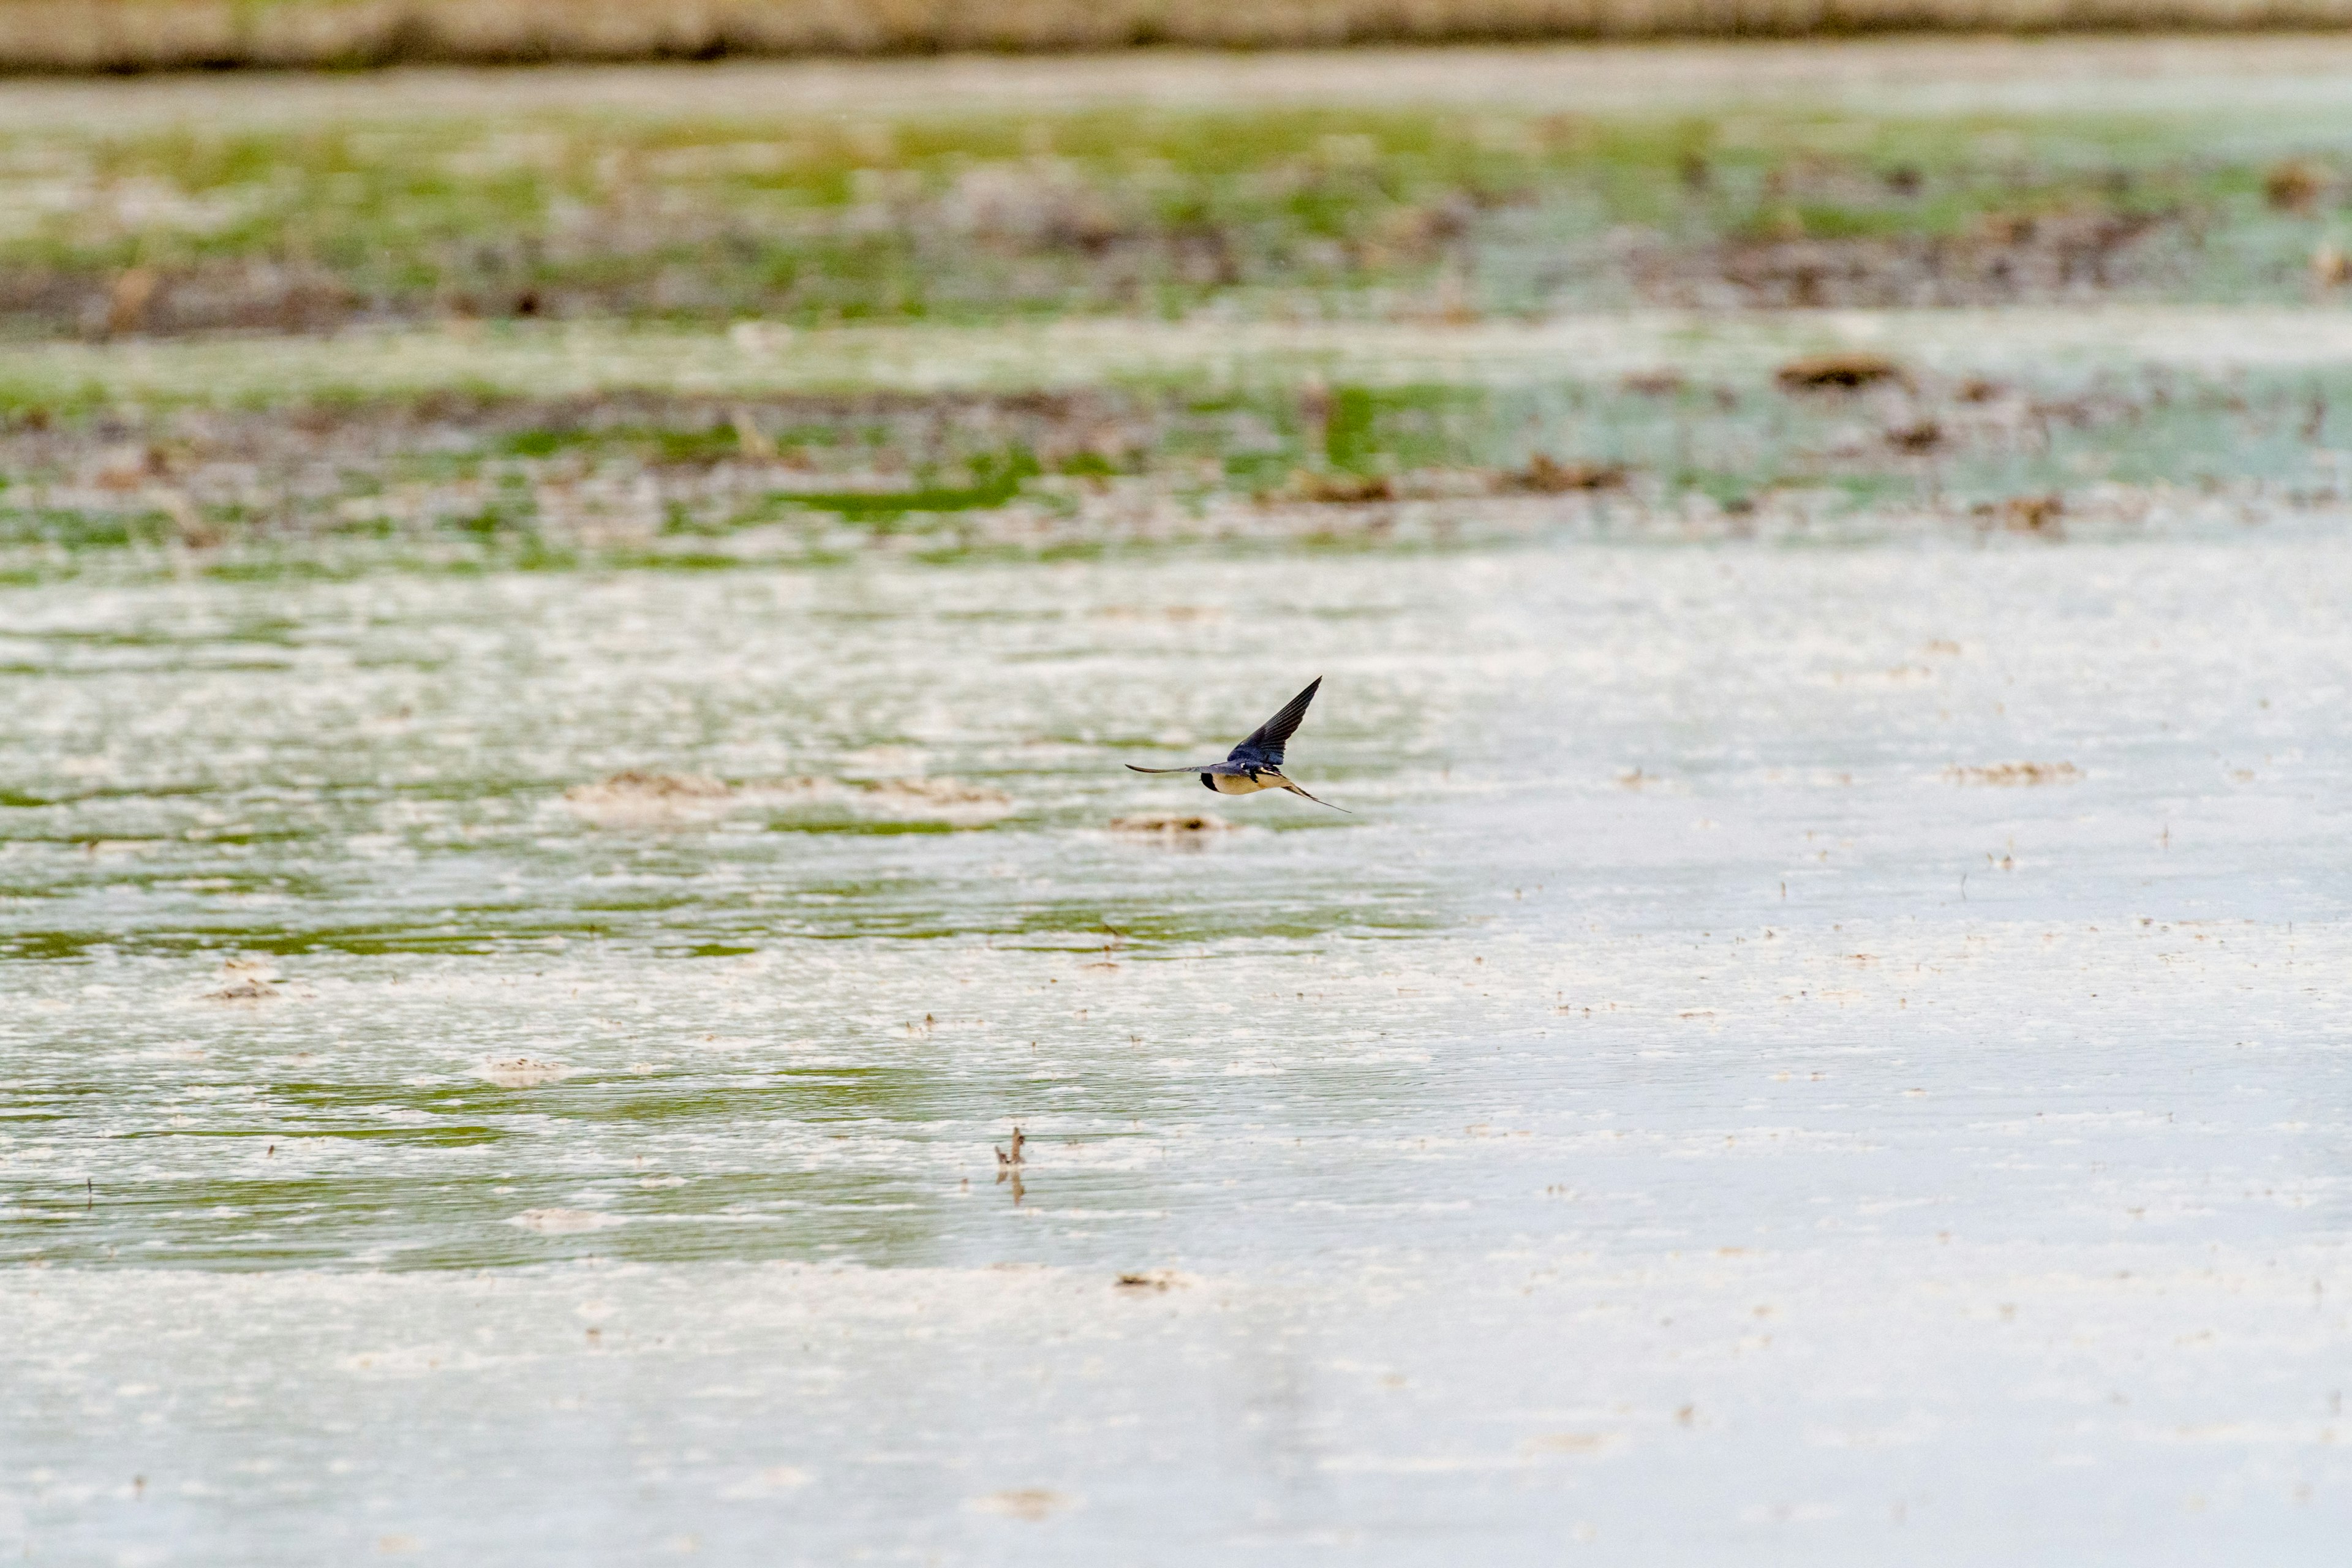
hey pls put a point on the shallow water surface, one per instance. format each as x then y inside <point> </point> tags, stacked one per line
<point>1706,1104</point>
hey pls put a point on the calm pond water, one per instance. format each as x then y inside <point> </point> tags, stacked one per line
<point>1706,1104</point>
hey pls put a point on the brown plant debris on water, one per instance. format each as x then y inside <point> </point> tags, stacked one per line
<point>632,785</point>
<point>1170,823</point>
<point>1337,489</point>
<point>2295,186</point>
<point>522,1072</point>
<point>1653,382</point>
<point>1153,1280</point>
<point>2003,258</point>
<point>1846,370</point>
<point>246,980</point>
<point>2023,514</point>
<point>2012,775</point>
<point>1006,1161</point>
<point>1920,436</point>
<point>1545,475</point>
<point>1033,1504</point>
<point>632,798</point>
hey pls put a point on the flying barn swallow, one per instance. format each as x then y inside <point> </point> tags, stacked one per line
<point>1256,763</point>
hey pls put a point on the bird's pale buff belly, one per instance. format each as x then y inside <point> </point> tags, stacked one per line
<point>1235,783</point>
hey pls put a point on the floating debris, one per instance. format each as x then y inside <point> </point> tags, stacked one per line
<point>246,980</point>
<point>1653,382</point>
<point>1854,368</point>
<point>2295,186</point>
<point>634,798</point>
<point>1543,475</point>
<point>2015,774</point>
<point>522,1072</point>
<point>1171,824</point>
<point>1337,489</point>
<point>1920,436</point>
<point>1153,1280</point>
<point>1032,1503</point>
<point>2024,514</point>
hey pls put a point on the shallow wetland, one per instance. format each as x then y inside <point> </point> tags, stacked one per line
<point>548,867</point>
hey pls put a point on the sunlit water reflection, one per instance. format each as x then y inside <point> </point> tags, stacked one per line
<point>1683,1112</point>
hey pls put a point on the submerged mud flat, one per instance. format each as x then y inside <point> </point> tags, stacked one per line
<point>1803,1054</point>
<point>766,447</point>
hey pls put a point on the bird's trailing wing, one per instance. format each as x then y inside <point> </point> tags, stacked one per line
<point>1265,742</point>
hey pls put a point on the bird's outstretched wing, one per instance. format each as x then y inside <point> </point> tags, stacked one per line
<point>1265,742</point>
<point>1195,768</point>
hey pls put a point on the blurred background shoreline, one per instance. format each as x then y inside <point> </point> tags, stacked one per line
<point>127,36</point>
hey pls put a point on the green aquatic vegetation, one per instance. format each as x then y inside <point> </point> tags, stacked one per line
<point>812,1216</point>
<point>434,1174</point>
<point>54,945</point>
<point>986,215</point>
<point>290,566</point>
<point>994,482</point>
<point>1292,462</point>
<point>814,1094</point>
<point>655,561</point>
<point>69,528</point>
<point>440,1135</point>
